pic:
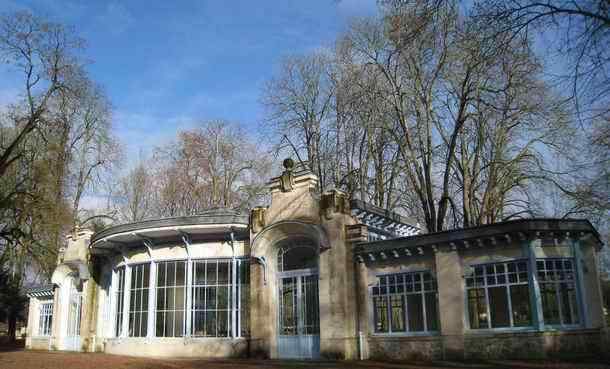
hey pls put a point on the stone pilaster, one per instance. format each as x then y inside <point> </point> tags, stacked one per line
<point>451,302</point>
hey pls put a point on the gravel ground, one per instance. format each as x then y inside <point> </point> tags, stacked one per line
<point>19,359</point>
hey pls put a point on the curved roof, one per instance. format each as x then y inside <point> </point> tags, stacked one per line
<point>213,217</point>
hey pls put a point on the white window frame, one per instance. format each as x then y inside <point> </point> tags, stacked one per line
<point>235,287</point>
<point>557,283</point>
<point>506,284</point>
<point>45,318</point>
<point>422,292</point>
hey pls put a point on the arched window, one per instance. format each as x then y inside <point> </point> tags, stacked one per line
<point>297,254</point>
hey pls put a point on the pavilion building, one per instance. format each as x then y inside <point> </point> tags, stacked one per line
<point>315,275</point>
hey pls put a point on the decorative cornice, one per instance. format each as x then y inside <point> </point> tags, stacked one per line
<point>497,234</point>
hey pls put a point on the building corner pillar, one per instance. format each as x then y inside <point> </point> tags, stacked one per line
<point>451,302</point>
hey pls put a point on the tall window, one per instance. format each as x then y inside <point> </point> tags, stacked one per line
<point>557,280</point>
<point>213,300</point>
<point>138,300</point>
<point>405,302</point>
<point>46,319</point>
<point>171,298</point>
<point>119,298</point>
<point>498,295</point>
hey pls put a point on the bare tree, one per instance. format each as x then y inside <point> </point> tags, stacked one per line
<point>135,199</point>
<point>44,53</point>
<point>213,165</point>
<point>579,30</point>
<point>299,103</point>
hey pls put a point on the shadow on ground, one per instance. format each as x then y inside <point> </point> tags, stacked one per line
<point>22,359</point>
<point>6,345</point>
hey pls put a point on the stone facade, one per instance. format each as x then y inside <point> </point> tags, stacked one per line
<point>353,248</point>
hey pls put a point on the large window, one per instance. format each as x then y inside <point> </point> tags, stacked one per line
<point>138,300</point>
<point>498,295</point>
<point>405,302</point>
<point>219,298</point>
<point>557,280</point>
<point>171,298</point>
<point>119,299</point>
<point>45,321</point>
<point>211,298</point>
<point>216,302</point>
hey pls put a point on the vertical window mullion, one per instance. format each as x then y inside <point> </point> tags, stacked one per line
<point>205,299</point>
<point>423,301</point>
<point>485,288</point>
<point>188,289</point>
<point>406,307</point>
<point>216,302</point>
<point>510,306</point>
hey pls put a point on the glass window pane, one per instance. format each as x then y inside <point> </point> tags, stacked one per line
<point>520,299</point>
<point>198,272</point>
<point>498,306</point>
<point>398,313</point>
<point>171,274</point>
<point>223,272</point>
<point>161,268</point>
<point>415,312</point>
<point>477,308</point>
<point>160,331</point>
<point>568,303</point>
<point>550,308</point>
<point>180,273</point>
<point>210,324</point>
<point>146,276</point>
<point>211,272</point>
<point>380,309</point>
<point>432,311</point>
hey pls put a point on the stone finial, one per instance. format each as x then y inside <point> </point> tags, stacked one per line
<point>287,177</point>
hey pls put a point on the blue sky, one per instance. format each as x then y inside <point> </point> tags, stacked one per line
<point>167,64</point>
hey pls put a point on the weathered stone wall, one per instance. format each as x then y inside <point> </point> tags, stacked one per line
<point>534,345</point>
<point>178,347</point>
<point>522,345</point>
<point>416,348</point>
<point>38,343</point>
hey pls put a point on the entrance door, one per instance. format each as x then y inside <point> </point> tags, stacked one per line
<point>72,341</point>
<point>299,321</point>
<point>298,311</point>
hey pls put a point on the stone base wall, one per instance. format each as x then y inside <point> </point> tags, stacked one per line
<point>605,342</point>
<point>534,345</point>
<point>339,348</point>
<point>178,347</point>
<point>37,343</point>
<point>417,348</point>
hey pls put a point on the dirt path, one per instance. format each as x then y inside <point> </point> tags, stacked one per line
<point>64,360</point>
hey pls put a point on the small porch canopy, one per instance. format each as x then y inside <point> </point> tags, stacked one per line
<point>503,233</point>
<point>40,292</point>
